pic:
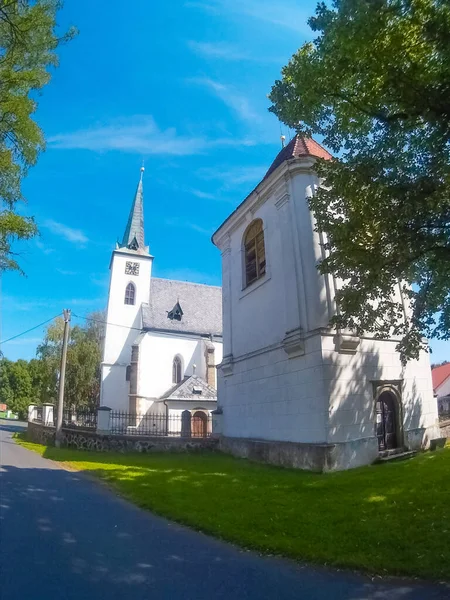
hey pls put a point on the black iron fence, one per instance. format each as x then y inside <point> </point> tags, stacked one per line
<point>196,425</point>
<point>79,419</point>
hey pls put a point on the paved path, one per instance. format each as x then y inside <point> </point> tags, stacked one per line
<point>64,536</point>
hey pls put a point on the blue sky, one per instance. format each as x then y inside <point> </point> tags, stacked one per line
<point>184,86</point>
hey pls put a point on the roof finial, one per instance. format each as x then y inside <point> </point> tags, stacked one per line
<point>142,169</point>
<point>283,139</point>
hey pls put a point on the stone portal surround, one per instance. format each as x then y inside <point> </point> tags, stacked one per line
<point>81,439</point>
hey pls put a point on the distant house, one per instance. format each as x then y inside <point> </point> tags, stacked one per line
<point>441,387</point>
<point>3,407</point>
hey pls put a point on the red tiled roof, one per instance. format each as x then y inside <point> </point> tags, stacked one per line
<point>439,375</point>
<point>297,147</point>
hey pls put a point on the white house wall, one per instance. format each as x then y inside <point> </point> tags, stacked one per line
<point>444,388</point>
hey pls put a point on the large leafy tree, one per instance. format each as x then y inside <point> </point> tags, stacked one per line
<point>82,388</point>
<point>375,83</point>
<point>28,43</point>
<point>17,389</point>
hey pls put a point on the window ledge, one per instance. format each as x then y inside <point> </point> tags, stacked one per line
<point>255,285</point>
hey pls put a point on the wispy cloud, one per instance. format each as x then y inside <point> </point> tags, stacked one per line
<point>76,236</point>
<point>65,272</point>
<point>229,52</point>
<point>203,195</point>
<point>188,225</point>
<point>140,135</point>
<point>218,50</point>
<point>43,248</point>
<point>239,103</point>
<point>285,13</point>
<point>232,177</point>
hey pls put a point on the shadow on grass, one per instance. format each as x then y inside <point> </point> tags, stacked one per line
<point>392,518</point>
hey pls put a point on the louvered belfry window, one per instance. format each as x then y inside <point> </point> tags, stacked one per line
<point>255,253</point>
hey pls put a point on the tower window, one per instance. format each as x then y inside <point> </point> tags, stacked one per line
<point>130,294</point>
<point>177,370</point>
<point>254,252</point>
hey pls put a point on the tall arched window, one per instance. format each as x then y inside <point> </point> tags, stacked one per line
<point>254,252</point>
<point>177,370</point>
<point>130,293</point>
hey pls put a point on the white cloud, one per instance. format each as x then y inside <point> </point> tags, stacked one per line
<point>139,135</point>
<point>229,96</point>
<point>75,236</point>
<point>45,249</point>
<point>203,195</point>
<point>188,225</point>
<point>284,13</point>
<point>218,50</point>
<point>232,177</point>
<point>65,272</point>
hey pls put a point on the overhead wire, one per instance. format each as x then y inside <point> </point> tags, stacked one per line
<point>105,322</point>
<point>28,330</point>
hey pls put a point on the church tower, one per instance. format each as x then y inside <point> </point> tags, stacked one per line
<point>129,287</point>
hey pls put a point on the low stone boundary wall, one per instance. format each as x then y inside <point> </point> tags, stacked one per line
<point>82,439</point>
<point>445,428</point>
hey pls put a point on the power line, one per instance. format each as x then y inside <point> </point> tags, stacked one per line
<point>28,330</point>
<point>105,322</point>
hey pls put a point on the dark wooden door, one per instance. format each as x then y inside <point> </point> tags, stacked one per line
<point>386,422</point>
<point>199,424</point>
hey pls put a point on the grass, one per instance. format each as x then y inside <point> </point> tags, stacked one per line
<point>387,519</point>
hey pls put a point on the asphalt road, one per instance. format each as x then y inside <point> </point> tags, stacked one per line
<point>64,536</point>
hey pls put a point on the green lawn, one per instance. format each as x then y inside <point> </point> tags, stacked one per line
<point>391,518</point>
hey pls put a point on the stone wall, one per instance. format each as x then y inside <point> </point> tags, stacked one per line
<point>311,457</point>
<point>445,429</point>
<point>82,439</point>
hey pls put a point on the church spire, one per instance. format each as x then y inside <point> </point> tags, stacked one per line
<point>133,237</point>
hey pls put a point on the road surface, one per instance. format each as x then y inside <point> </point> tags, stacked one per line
<point>64,536</point>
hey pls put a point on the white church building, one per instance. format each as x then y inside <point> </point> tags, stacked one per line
<point>163,338</point>
<point>293,391</point>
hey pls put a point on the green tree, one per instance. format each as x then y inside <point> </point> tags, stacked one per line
<point>28,43</point>
<point>82,389</point>
<point>375,84</point>
<point>21,388</point>
<point>5,388</point>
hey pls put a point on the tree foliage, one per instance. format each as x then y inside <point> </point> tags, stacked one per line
<point>375,84</point>
<point>82,388</point>
<point>28,43</point>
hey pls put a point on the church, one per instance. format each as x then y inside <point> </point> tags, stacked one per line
<point>292,390</point>
<point>163,338</point>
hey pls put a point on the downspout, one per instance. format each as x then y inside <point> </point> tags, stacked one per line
<point>167,417</point>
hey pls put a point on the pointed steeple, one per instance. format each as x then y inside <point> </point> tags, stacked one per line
<point>133,237</point>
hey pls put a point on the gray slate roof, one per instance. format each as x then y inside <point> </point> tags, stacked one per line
<point>184,390</point>
<point>201,305</point>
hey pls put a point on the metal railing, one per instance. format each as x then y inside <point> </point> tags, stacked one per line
<point>183,425</point>
<point>79,419</point>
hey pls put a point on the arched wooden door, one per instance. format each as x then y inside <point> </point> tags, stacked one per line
<point>386,421</point>
<point>199,424</point>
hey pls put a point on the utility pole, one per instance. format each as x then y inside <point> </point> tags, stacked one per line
<point>62,377</point>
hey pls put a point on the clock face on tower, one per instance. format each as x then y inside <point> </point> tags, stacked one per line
<point>131,268</point>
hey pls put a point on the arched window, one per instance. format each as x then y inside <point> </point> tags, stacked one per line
<point>177,370</point>
<point>254,252</point>
<point>130,293</point>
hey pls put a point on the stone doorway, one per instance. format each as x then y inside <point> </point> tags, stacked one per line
<point>387,421</point>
